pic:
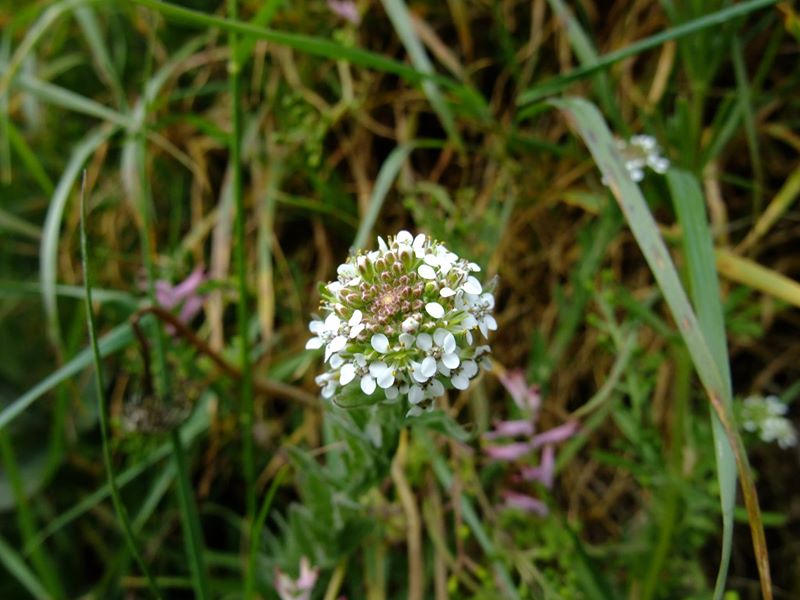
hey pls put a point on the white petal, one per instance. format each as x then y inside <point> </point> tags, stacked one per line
<point>451,361</point>
<point>382,245</point>
<point>356,330</point>
<point>329,390</point>
<point>346,270</point>
<point>347,374</point>
<point>336,361</point>
<point>419,241</point>
<point>446,292</point>
<point>487,300</point>
<point>386,380</point>
<point>469,368</point>
<point>432,260</point>
<point>472,286</point>
<point>314,343</point>
<point>377,369</point>
<point>415,395</point>
<point>380,342</point>
<point>449,344</point>
<point>460,382</point>
<point>355,319</point>
<point>316,326</point>
<point>436,389</point>
<point>360,360</point>
<point>334,287</point>
<point>414,411</point>
<point>367,384</point>
<point>482,327</point>
<point>435,310</point>
<point>407,340</point>
<point>428,368</point>
<point>470,322</point>
<point>443,370</point>
<point>490,322</point>
<point>332,323</point>
<point>426,272</point>
<point>391,393</point>
<point>439,336</point>
<point>337,343</point>
<point>424,342</point>
<point>474,267</point>
<point>404,237</point>
<point>417,375</point>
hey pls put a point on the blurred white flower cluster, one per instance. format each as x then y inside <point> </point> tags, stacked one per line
<point>640,152</point>
<point>401,321</point>
<point>765,416</point>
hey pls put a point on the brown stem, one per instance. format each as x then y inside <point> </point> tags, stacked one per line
<point>267,387</point>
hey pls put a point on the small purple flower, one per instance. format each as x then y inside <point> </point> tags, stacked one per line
<point>524,502</point>
<point>345,9</point>
<point>300,588</point>
<point>528,400</point>
<point>526,397</point>
<point>184,294</point>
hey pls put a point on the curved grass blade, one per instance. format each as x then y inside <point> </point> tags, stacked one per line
<point>389,170</point>
<point>122,513</point>
<point>48,254</point>
<point>750,273</point>
<point>587,120</point>
<point>698,247</point>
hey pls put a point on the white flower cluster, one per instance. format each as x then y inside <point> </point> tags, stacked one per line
<point>400,321</point>
<point>765,416</point>
<point>640,152</point>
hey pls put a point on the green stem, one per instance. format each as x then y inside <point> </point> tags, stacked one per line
<point>246,408</point>
<point>119,507</point>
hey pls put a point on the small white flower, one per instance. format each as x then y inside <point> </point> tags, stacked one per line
<point>439,349</point>
<point>356,324</point>
<point>418,392</point>
<point>462,374</point>
<point>472,285</point>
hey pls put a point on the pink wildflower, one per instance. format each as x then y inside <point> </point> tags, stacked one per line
<point>184,294</point>
<point>526,397</point>
<point>300,588</point>
<point>524,502</point>
<point>345,9</point>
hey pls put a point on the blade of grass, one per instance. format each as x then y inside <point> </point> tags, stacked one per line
<point>29,159</point>
<point>750,273</point>
<point>42,563</point>
<point>777,207</point>
<point>48,254</point>
<point>258,526</point>
<point>119,507</point>
<point>14,225</point>
<point>698,247</point>
<point>16,567</point>
<point>556,84</point>
<point>592,128</point>
<point>746,102</point>
<point>111,342</point>
<point>401,21</point>
<point>104,65</point>
<point>314,46</point>
<point>197,424</point>
<point>246,406</point>
<point>383,183</point>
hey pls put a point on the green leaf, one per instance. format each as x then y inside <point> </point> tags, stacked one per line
<point>592,128</point>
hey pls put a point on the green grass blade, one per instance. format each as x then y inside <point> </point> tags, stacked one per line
<point>698,247</point>
<point>383,183</point>
<point>29,159</point>
<point>14,225</point>
<point>196,425</point>
<point>111,342</point>
<point>553,86</point>
<point>592,128</point>
<point>119,507</point>
<point>401,21</point>
<point>314,46</point>
<point>48,255</point>
<point>743,90</point>
<point>258,526</point>
<point>104,65</point>
<point>16,567</point>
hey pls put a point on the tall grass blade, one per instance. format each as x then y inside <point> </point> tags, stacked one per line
<point>698,248</point>
<point>592,128</point>
<point>122,513</point>
<point>750,273</point>
<point>48,254</point>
